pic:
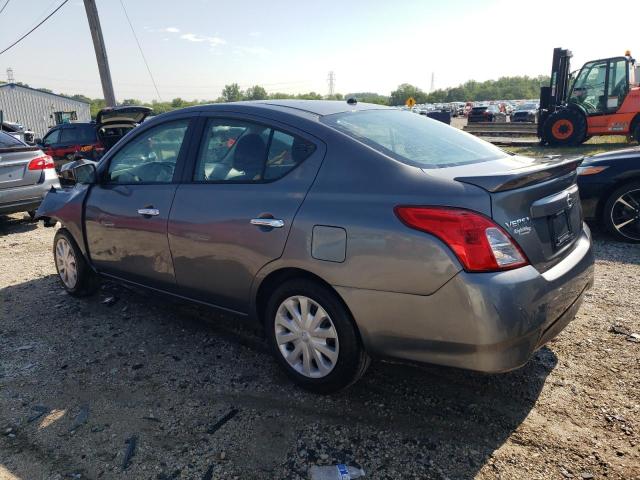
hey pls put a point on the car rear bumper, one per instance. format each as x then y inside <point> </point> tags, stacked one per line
<point>25,198</point>
<point>490,322</point>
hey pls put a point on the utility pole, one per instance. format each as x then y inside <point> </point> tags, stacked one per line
<point>101,52</point>
<point>332,83</point>
<point>10,77</point>
<point>433,82</point>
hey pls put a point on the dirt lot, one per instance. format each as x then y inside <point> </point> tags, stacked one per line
<point>196,396</point>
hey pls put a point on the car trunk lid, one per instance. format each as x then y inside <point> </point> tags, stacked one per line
<point>535,200</point>
<point>125,115</point>
<point>14,164</point>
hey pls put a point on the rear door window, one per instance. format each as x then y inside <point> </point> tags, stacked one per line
<point>247,152</point>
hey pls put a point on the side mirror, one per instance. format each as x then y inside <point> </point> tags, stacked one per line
<point>79,171</point>
<point>86,173</point>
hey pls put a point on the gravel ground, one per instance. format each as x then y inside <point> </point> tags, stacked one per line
<point>127,384</point>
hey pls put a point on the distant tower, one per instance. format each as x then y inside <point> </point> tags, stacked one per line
<point>332,83</point>
<point>433,82</point>
<point>10,78</point>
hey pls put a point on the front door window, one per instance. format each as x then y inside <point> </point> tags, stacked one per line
<point>151,157</point>
<point>589,88</point>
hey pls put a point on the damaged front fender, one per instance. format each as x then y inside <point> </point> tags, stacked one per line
<point>65,205</point>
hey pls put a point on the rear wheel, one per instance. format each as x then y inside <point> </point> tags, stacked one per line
<point>565,127</point>
<point>636,132</point>
<point>621,213</point>
<point>313,337</point>
<point>74,274</point>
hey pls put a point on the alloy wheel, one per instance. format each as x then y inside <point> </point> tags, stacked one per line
<point>306,336</point>
<point>66,263</point>
<point>625,215</point>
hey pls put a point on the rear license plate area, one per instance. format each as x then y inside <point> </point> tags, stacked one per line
<point>560,228</point>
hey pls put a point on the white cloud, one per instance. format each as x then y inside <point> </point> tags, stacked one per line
<point>253,50</point>
<point>171,30</point>
<point>255,34</point>
<point>212,41</point>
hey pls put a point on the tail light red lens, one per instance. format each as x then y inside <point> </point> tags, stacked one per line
<point>478,242</point>
<point>41,163</point>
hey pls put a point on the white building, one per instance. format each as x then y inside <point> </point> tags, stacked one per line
<point>39,111</point>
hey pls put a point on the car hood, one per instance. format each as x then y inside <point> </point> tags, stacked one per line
<point>122,115</point>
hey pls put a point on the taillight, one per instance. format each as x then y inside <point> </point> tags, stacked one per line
<point>41,163</point>
<point>478,242</point>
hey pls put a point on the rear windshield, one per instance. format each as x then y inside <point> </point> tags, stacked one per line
<point>413,139</point>
<point>7,141</point>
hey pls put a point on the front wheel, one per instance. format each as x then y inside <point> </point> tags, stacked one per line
<point>313,337</point>
<point>565,128</point>
<point>621,213</point>
<point>74,273</point>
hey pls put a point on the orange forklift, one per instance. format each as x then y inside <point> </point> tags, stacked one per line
<point>602,99</point>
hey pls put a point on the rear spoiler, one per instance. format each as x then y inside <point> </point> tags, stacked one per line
<point>19,149</point>
<point>537,173</point>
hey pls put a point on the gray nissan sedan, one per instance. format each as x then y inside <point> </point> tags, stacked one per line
<point>348,230</point>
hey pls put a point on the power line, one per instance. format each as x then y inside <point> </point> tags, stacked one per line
<point>4,6</point>
<point>34,28</point>
<point>140,48</point>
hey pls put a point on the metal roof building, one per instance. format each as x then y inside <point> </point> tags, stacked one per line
<point>37,110</point>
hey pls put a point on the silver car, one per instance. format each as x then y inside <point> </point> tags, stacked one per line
<point>348,230</point>
<point>26,175</point>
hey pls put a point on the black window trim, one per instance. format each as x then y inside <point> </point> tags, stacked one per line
<point>180,161</point>
<point>205,119</point>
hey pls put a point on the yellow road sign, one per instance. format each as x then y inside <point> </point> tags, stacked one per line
<point>410,102</point>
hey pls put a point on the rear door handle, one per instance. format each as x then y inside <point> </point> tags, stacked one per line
<point>152,212</point>
<point>267,222</point>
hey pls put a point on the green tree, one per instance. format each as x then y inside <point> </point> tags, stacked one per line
<point>131,101</point>
<point>232,93</point>
<point>309,96</point>
<point>369,97</point>
<point>400,95</point>
<point>256,93</point>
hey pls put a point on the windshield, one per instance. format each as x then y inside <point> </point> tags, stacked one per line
<point>413,139</point>
<point>528,106</point>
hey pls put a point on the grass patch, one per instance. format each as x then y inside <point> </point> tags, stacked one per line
<point>592,147</point>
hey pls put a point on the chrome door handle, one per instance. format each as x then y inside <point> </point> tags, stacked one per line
<point>149,211</point>
<point>267,222</point>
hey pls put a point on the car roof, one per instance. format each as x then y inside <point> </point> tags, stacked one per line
<point>295,107</point>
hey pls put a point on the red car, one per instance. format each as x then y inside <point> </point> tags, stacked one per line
<point>92,139</point>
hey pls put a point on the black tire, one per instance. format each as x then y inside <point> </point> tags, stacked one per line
<point>636,132</point>
<point>352,361</point>
<point>614,210</point>
<point>566,127</point>
<point>86,281</point>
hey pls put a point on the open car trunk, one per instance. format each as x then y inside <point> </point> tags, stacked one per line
<point>113,123</point>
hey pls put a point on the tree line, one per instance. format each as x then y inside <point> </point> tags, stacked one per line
<point>504,88</point>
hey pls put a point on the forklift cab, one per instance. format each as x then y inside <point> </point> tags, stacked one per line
<point>602,85</point>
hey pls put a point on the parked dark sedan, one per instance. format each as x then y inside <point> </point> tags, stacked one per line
<point>487,113</point>
<point>610,192</point>
<point>527,112</point>
<point>349,230</point>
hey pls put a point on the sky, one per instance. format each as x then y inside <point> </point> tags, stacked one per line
<point>195,47</point>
